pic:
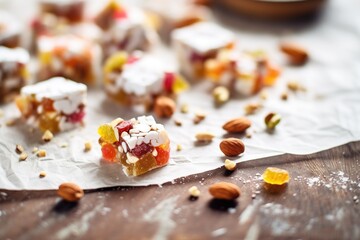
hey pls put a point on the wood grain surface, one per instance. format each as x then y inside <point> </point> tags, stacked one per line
<point>320,202</point>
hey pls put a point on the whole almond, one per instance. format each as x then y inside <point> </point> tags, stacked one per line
<point>224,190</point>
<point>70,192</point>
<point>232,147</point>
<point>296,53</point>
<point>164,107</point>
<point>237,125</point>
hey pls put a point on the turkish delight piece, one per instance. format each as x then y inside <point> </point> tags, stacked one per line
<point>56,104</point>
<point>196,44</point>
<point>136,79</point>
<point>68,56</point>
<point>13,71</point>
<point>139,144</point>
<point>245,72</point>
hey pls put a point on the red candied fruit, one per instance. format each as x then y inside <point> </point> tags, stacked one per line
<point>132,59</point>
<point>120,14</point>
<point>195,57</point>
<point>124,126</point>
<point>47,105</point>
<point>76,116</point>
<point>108,152</point>
<point>141,150</point>
<point>169,80</point>
<point>162,157</point>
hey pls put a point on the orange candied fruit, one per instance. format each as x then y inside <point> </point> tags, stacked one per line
<point>276,176</point>
<point>108,152</point>
<point>163,155</point>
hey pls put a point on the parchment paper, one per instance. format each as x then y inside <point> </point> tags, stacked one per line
<point>325,116</point>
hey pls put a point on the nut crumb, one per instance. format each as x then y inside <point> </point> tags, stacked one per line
<point>248,135</point>
<point>184,108</point>
<point>194,192</point>
<point>264,95</point>
<point>35,149</point>
<point>295,86</point>
<point>221,95</point>
<point>230,165</point>
<point>284,96</point>
<point>41,153</point>
<point>178,147</point>
<point>87,146</point>
<point>178,122</point>
<point>48,136</point>
<point>42,174</point>
<point>23,156</point>
<point>19,149</point>
<point>63,144</point>
<point>253,196</point>
<point>204,137</point>
<point>199,117</point>
<point>252,108</point>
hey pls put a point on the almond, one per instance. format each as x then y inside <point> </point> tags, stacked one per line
<point>296,53</point>
<point>164,107</point>
<point>232,147</point>
<point>237,125</point>
<point>70,192</point>
<point>224,190</point>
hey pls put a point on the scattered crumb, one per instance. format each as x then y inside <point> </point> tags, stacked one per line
<point>204,137</point>
<point>252,108</point>
<point>295,86</point>
<point>284,96</point>
<point>35,149</point>
<point>184,108</point>
<point>178,147</point>
<point>10,122</point>
<point>248,134</point>
<point>48,136</point>
<point>199,117</point>
<point>87,146</point>
<point>194,192</point>
<point>63,144</point>
<point>230,165</point>
<point>221,95</point>
<point>42,174</point>
<point>178,122</point>
<point>41,153</point>
<point>253,196</point>
<point>23,156</point>
<point>19,149</point>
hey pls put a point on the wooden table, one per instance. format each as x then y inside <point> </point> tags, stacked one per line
<point>320,202</point>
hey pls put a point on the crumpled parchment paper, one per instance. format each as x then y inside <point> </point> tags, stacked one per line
<point>325,116</point>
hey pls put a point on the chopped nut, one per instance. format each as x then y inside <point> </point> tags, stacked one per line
<point>194,192</point>
<point>248,135</point>
<point>42,174</point>
<point>19,149</point>
<point>297,54</point>
<point>164,107</point>
<point>10,122</point>
<point>70,192</point>
<point>178,122</point>
<point>23,156</point>
<point>199,117</point>
<point>35,149</point>
<point>87,146</point>
<point>284,96</point>
<point>252,108</point>
<point>221,95</point>
<point>41,153</point>
<point>264,95</point>
<point>295,86</point>
<point>230,165</point>
<point>184,108</point>
<point>178,147</point>
<point>48,136</point>
<point>272,120</point>
<point>204,137</point>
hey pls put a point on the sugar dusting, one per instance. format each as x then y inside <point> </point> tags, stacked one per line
<point>162,214</point>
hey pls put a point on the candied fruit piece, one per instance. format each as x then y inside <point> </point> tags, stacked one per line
<point>76,116</point>
<point>124,126</point>
<point>169,80</point>
<point>163,155</point>
<point>145,164</point>
<point>275,176</point>
<point>141,149</point>
<point>179,85</point>
<point>108,152</point>
<point>120,14</point>
<point>272,74</point>
<point>47,105</point>
<point>49,121</point>
<point>115,62</point>
<point>107,134</point>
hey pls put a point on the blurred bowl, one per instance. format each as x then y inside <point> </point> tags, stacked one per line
<point>274,9</point>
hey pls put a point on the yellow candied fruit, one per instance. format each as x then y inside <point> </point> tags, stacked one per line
<point>179,85</point>
<point>106,133</point>
<point>115,62</point>
<point>45,58</point>
<point>276,176</point>
<point>213,70</point>
<point>272,75</point>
